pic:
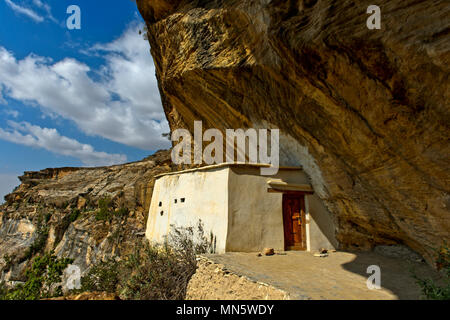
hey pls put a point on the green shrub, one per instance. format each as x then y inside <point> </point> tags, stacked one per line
<point>74,215</point>
<point>122,212</point>
<point>3,291</point>
<point>8,261</point>
<point>38,244</point>
<point>42,234</point>
<point>41,278</point>
<point>47,217</point>
<point>431,289</point>
<point>104,276</point>
<point>106,211</point>
<point>102,214</point>
<point>104,203</point>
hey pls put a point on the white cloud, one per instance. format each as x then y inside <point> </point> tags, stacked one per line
<point>49,139</point>
<point>2,100</point>
<point>40,4</point>
<point>12,113</point>
<point>25,11</point>
<point>46,8</point>
<point>123,105</point>
<point>8,182</point>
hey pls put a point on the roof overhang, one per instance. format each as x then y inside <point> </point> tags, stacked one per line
<point>277,185</point>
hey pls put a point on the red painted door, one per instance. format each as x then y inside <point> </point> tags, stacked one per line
<point>294,222</point>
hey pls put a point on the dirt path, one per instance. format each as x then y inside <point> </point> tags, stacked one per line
<point>341,275</point>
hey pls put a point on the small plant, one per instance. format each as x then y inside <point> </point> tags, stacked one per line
<point>104,276</point>
<point>3,291</point>
<point>432,290</point>
<point>47,217</point>
<point>104,203</point>
<point>122,212</point>
<point>106,211</point>
<point>74,215</point>
<point>8,261</point>
<point>38,244</point>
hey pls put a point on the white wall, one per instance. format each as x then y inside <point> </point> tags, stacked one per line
<point>206,198</point>
<point>255,218</point>
<point>321,225</point>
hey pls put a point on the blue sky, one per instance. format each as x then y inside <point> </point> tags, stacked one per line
<point>85,97</point>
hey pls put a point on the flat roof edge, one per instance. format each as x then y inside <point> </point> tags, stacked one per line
<point>226,164</point>
<point>282,185</point>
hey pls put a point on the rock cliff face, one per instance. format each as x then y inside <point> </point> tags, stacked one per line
<point>365,112</point>
<point>56,209</point>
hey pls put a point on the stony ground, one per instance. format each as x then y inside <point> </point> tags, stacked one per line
<point>213,282</point>
<point>301,275</point>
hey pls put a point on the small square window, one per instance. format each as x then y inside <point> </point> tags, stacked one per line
<point>160,204</point>
<point>175,200</point>
<point>161,213</point>
<point>182,199</point>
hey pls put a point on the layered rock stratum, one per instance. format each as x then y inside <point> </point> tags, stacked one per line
<point>365,112</point>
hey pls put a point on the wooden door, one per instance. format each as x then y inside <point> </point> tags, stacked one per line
<point>294,222</point>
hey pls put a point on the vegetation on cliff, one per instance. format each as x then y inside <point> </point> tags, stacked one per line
<point>43,280</point>
<point>86,214</point>
<point>438,290</point>
<point>151,272</point>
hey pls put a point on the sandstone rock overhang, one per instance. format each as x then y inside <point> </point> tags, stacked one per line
<point>365,112</point>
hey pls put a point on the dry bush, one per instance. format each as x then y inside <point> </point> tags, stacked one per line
<point>153,271</point>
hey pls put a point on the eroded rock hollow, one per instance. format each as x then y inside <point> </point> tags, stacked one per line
<point>365,112</point>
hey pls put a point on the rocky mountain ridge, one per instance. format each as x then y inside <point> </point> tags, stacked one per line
<point>61,209</point>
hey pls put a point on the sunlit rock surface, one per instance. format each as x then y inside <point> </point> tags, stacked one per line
<point>44,204</point>
<point>366,112</point>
